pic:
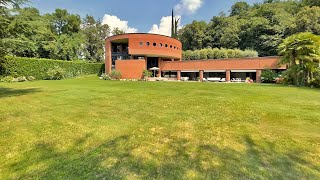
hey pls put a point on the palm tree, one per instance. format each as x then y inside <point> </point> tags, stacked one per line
<point>301,52</point>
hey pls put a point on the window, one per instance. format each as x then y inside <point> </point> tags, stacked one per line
<point>141,43</point>
<point>148,44</point>
<point>170,46</point>
<point>154,44</point>
<point>160,44</point>
<point>175,47</point>
<point>166,45</point>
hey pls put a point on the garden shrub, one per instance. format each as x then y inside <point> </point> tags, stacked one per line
<point>195,55</point>
<point>105,77</point>
<point>204,54</point>
<point>115,74</point>
<point>315,82</point>
<point>268,76</point>
<point>56,73</point>
<point>38,68</point>
<point>8,79</point>
<point>187,55</point>
<point>250,53</point>
<point>231,53</point>
<point>211,54</point>
<point>217,53</point>
<point>147,73</point>
<point>223,53</point>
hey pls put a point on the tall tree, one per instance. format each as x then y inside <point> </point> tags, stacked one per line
<point>174,26</point>
<point>239,8</point>
<point>192,35</point>
<point>223,32</point>
<point>95,34</point>
<point>308,20</point>
<point>23,31</point>
<point>65,23</point>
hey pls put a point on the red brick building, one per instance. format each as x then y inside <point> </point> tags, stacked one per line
<point>132,53</point>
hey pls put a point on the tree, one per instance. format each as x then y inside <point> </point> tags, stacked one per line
<point>117,31</point>
<point>23,31</point>
<point>14,3</point>
<point>239,8</point>
<point>301,53</point>
<point>311,3</point>
<point>267,26</point>
<point>192,35</point>
<point>66,47</point>
<point>174,26</point>
<point>95,34</point>
<point>223,32</point>
<point>308,20</point>
<point>65,23</point>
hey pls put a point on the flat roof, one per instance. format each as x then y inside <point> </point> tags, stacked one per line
<point>141,34</point>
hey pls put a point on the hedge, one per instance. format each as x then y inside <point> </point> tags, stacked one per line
<point>216,53</point>
<point>38,67</point>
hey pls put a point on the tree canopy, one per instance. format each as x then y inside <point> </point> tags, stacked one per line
<point>60,35</point>
<point>261,27</point>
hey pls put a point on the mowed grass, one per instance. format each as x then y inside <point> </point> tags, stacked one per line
<point>86,128</point>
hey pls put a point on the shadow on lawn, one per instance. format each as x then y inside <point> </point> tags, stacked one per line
<point>9,92</point>
<point>117,159</point>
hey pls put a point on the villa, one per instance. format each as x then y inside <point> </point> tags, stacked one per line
<point>132,53</point>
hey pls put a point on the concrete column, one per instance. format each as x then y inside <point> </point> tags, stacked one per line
<point>146,59</point>
<point>228,75</point>
<point>159,66</point>
<point>201,75</point>
<point>108,58</point>
<point>179,75</point>
<point>258,76</point>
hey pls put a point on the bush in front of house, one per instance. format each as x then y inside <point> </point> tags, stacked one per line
<point>105,77</point>
<point>147,73</point>
<point>38,68</point>
<point>115,74</point>
<point>268,76</point>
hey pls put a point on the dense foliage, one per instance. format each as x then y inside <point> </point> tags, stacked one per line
<point>301,53</point>
<point>261,27</point>
<point>42,68</point>
<point>25,32</point>
<point>114,74</point>
<point>268,76</point>
<point>216,53</point>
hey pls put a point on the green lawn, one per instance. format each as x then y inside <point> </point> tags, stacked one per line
<point>86,128</point>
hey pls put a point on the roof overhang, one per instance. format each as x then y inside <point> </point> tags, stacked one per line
<point>243,71</point>
<point>214,71</point>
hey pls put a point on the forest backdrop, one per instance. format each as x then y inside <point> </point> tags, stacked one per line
<point>261,27</point>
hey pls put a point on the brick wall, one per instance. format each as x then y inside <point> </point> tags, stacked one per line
<point>131,69</point>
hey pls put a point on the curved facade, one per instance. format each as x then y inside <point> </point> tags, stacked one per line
<point>151,48</point>
<point>132,53</point>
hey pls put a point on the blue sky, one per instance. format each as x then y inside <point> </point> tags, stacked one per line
<point>141,15</point>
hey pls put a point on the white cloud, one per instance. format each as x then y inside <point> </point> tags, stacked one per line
<point>184,7</point>
<point>188,6</point>
<point>114,22</point>
<point>164,27</point>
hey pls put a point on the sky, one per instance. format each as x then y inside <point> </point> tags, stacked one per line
<point>147,16</point>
